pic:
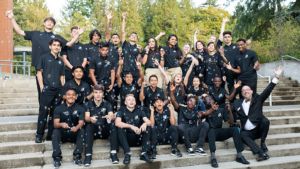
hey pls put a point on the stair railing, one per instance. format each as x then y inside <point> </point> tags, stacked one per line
<point>269,81</point>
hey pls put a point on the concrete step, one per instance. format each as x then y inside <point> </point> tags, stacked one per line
<point>18,90</point>
<point>167,161</point>
<point>283,102</point>
<point>18,123</point>
<point>19,94</point>
<point>18,100</point>
<point>282,110</point>
<point>287,97</point>
<point>21,147</point>
<point>286,162</point>
<point>284,120</point>
<point>19,106</point>
<point>18,112</point>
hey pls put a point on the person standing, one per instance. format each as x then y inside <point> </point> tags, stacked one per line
<point>50,76</point>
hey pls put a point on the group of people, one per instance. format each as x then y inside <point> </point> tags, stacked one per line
<point>115,89</point>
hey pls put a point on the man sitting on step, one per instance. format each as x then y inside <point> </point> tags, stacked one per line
<point>254,125</point>
<point>68,121</point>
<point>99,119</point>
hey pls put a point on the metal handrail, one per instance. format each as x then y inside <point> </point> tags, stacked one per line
<point>291,57</point>
<point>14,65</point>
<point>269,81</point>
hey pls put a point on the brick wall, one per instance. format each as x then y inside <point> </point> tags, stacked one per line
<point>6,34</point>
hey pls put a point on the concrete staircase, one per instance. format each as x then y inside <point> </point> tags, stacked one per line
<point>18,116</point>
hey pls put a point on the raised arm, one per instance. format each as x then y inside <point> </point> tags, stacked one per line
<point>75,38</point>
<point>108,26</point>
<point>123,31</point>
<point>10,15</point>
<point>172,96</point>
<point>172,115</point>
<point>265,94</point>
<point>195,39</point>
<point>119,72</point>
<point>224,21</point>
<point>188,73</point>
<point>141,74</point>
<point>159,35</point>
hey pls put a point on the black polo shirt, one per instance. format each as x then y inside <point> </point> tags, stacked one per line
<point>219,95</point>
<point>99,111</point>
<point>162,120</point>
<point>75,54</point>
<point>150,95</point>
<point>179,93</point>
<point>126,89</point>
<point>70,115</point>
<point>213,67</point>
<point>198,92</point>
<point>103,68</point>
<point>152,56</point>
<point>231,53</point>
<point>185,67</point>
<point>246,61</point>
<point>40,44</point>
<point>52,69</point>
<point>186,116</point>
<point>83,89</point>
<point>172,57</point>
<point>92,50</point>
<point>199,55</point>
<point>130,55</point>
<point>134,118</point>
<point>215,120</point>
<point>113,55</point>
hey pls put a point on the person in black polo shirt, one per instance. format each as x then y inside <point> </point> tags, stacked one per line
<point>130,50</point>
<point>102,72</point>
<point>249,64</point>
<point>93,47</point>
<point>68,122</point>
<point>215,116</point>
<point>83,89</point>
<point>128,85</point>
<point>173,56</point>
<point>149,93</point>
<point>133,129</point>
<point>163,128</point>
<point>74,56</point>
<point>254,124</point>
<point>40,39</point>
<point>213,65</point>
<point>230,56</point>
<point>190,126</point>
<point>50,75</point>
<point>99,119</point>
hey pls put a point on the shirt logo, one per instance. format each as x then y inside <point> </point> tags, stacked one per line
<point>66,113</point>
<point>80,48</point>
<point>219,115</point>
<point>246,56</point>
<point>136,117</point>
<point>52,36</point>
<point>75,112</point>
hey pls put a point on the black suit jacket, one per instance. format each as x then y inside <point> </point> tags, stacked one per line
<point>255,114</point>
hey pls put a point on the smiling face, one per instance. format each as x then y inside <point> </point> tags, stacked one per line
<point>70,96</point>
<point>98,95</point>
<point>217,82</point>
<point>191,103</point>
<point>178,78</point>
<point>196,82</point>
<point>49,25</point>
<point>151,43</point>
<point>130,101</point>
<point>241,45</point>
<point>104,51</point>
<point>133,37</point>
<point>172,41</point>
<point>78,73</point>
<point>115,39</point>
<point>95,38</point>
<point>227,39</point>
<point>159,105</point>
<point>199,46</point>
<point>153,81</point>
<point>55,47</point>
<point>211,47</point>
<point>247,92</point>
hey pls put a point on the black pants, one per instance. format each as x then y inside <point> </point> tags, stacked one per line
<point>93,131</point>
<point>49,99</point>
<point>192,134</point>
<point>170,136</point>
<point>128,138</point>
<point>65,135</point>
<point>222,134</point>
<point>260,131</point>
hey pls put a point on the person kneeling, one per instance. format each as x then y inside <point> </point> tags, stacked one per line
<point>99,119</point>
<point>215,116</point>
<point>133,128</point>
<point>68,121</point>
<point>163,128</point>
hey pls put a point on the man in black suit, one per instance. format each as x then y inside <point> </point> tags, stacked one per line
<point>254,124</point>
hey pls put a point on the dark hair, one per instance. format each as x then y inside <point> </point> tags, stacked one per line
<point>51,19</point>
<point>155,46</point>
<point>227,33</point>
<point>77,67</point>
<point>55,40</point>
<point>114,35</point>
<point>95,31</point>
<point>208,101</point>
<point>70,88</point>
<point>241,39</point>
<point>209,43</point>
<point>153,76</point>
<point>169,37</point>
<point>192,97</point>
<point>99,87</point>
<point>74,27</point>
<point>104,45</point>
<point>199,41</point>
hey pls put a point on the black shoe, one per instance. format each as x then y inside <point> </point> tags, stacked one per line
<point>145,157</point>
<point>262,157</point>
<point>176,152</point>
<point>77,160</point>
<point>56,163</point>
<point>126,159</point>
<point>214,163</point>
<point>87,161</point>
<point>264,147</point>
<point>114,158</point>
<point>38,139</point>
<point>200,151</point>
<point>48,138</point>
<point>153,154</point>
<point>190,151</point>
<point>242,160</point>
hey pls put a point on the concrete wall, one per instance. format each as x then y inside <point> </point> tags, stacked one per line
<point>291,69</point>
<point>6,34</point>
